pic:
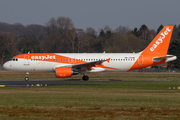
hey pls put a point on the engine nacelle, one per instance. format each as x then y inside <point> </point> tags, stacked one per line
<point>63,72</point>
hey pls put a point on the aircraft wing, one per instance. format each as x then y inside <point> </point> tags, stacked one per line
<point>91,64</point>
<point>87,64</point>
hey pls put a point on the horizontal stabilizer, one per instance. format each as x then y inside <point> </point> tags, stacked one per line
<point>168,58</point>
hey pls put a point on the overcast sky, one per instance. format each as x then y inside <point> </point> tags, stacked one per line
<point>93,13</point>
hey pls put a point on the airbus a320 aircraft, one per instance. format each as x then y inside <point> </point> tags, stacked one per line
<point>67,64</point>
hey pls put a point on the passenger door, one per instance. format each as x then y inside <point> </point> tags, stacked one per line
<point>26,60</point>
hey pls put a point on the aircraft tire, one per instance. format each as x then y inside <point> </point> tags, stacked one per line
<point>26,78</point>
<point>85,78</point>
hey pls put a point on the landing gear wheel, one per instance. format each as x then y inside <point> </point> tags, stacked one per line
<point>85,78</point>
<point>26,78</point>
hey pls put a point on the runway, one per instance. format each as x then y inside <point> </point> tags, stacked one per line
<point>44,83</point>
<point>57,82</point>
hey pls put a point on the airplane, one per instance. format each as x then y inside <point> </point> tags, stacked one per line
<point>67,64</point>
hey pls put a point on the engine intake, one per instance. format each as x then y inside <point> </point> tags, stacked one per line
<point>63,72</point>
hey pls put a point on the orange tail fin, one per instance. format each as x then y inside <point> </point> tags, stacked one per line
<point>156,51</point>
<point>160,43</point>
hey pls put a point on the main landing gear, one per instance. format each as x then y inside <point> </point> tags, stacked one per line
<point>85,78</point>
<point>26,77</point>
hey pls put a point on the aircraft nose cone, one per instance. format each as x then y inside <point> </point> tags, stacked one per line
<point>5,66</point>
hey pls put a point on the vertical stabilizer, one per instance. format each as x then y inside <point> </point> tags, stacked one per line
<point>156,51</point>
<point>160,43</point>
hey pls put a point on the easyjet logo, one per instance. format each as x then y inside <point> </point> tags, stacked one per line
<point>160,39</point>
<point>43,57</point>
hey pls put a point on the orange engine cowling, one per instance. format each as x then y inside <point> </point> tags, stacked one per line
<point>63,72</point>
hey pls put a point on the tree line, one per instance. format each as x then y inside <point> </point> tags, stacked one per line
<point>59,35</point>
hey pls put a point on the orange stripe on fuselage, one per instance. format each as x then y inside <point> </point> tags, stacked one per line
<point>51,57</point>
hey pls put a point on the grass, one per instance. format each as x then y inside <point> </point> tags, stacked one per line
<point>151,100</point>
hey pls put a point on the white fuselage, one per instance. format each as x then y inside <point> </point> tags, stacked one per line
<point>117,62</point>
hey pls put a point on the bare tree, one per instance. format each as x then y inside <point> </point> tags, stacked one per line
<point>60,34</point>
<point>144,32</point>
<point>82,39</point>
<point>122,30</point>
<point>71,39</point>
<point>7,46</point>
<point>91,32</point>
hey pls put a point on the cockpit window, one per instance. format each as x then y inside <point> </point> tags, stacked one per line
<point>14,59</point>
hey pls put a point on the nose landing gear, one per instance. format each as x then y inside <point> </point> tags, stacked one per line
<point>26,77</point>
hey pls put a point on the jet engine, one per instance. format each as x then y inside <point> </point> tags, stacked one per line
<point>63,72</point>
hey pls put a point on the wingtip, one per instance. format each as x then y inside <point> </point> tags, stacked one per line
<point>108,60</point>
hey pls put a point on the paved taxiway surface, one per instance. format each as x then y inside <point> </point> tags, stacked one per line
<point>49,82</point>
<point>56,82</point>
<point>43,82</point>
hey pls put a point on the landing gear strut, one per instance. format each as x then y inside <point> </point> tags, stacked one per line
<point>26,77</point>
<point>85,78</point>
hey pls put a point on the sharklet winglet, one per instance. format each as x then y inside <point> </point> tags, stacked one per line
<point>108,60</point>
